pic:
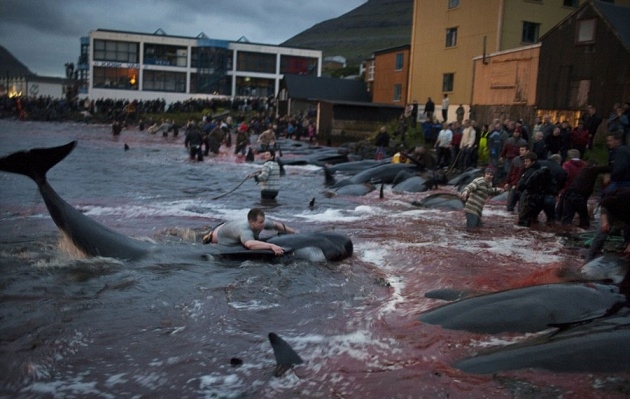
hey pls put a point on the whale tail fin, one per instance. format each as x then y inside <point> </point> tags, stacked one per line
<point>35,163</point>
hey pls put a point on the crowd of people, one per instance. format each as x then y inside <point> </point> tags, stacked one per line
<point>107,110</point>
<point>542,168</point>
<point>561,190</point>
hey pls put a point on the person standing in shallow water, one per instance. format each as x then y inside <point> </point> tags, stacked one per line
<point>193,141</point>
<point>269,175</point>
<point>475,195</point>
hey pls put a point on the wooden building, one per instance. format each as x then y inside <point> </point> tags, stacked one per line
<point>342,106</point>
<point>505,83</point>
<point>585,59</point>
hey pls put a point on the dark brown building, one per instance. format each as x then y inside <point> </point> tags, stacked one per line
<point>585,59</point>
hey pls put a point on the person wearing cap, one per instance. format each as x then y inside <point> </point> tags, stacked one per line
<point>242,139</point>
<point>475,195</point>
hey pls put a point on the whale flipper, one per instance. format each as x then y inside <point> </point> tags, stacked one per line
<point>285,355</point>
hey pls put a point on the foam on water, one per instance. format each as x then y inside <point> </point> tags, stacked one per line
<point>253,305</point>
<point>377,254</point>
<point>329,215</point>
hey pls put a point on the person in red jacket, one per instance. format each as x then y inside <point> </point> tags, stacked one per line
<point>511,148</point>
<point>579,139</point>
<point>572,166</point>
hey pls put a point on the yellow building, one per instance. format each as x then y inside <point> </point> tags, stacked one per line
<point>448,34</point>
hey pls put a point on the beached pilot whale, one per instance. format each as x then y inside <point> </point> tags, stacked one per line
<point>584,327</point>
<point>527,309</point>
<point>381,173</point>
<point>94,239</point>
<point>593,347</point>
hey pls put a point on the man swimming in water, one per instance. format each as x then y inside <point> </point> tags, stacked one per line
<point>246,233</point>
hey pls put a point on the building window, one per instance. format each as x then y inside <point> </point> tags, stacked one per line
<point>453,4</point>
<point>451,37</point>
<point>397,92</point>
<point>255,62</point>
<point>399,61</point>
<point>212,60</point>
<point>586,31</point>
<point>370,71</point>
<point>115,78</point>
<point>295,65</point>
<point>164,81</point>
<point>578,93</point>
<point>256,87</point>
<point>158,54</point>
<point>448,80</point>
<point>210,83</point>
<point>570,3</point>
<point>530,32</point>
<point>107,50</point>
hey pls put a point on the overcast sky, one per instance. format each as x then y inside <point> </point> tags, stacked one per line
<point>45,34</point>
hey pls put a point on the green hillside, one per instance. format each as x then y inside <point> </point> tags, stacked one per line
<point>373,26</point>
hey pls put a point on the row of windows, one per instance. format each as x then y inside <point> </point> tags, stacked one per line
<point>175,82</point>
<point>158,54</point>
<point>266,63</point>
<point>216,59</point>
<point>530,34</point>
<point>127,79</point>
<point>448,82</point>
<point>107,50</point>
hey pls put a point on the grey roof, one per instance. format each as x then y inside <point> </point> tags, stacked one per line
<point>618,18</point>
<point>11,66</point>
<point>394,48</point>
<point>322,88</point>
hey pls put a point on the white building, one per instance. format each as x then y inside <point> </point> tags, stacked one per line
<point>32,85</point>
<point>130,65</point>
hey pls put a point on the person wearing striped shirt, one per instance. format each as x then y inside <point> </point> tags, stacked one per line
<point>475,195</point>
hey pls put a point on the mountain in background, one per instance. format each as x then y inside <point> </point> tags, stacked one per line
<point>375,25</point>
<point>11,66</point>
